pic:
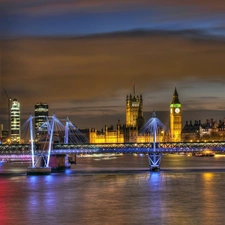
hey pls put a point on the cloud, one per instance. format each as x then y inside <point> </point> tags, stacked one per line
<point>79,67</point>
<point>78,75</point>
<point>48,6</point>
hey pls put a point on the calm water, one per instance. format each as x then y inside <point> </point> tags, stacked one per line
<point>120,190</point>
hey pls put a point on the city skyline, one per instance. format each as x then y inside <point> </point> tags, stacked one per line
<point>81,58</point>
<point>105,118</point>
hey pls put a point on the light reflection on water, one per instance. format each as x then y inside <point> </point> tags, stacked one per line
<point>117,191</point>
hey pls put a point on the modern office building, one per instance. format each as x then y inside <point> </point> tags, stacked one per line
<point>1,129</point>
<point>41,112</point>
<point>15,122</point>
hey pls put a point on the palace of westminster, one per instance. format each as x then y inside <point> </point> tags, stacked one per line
<point>130,131</point>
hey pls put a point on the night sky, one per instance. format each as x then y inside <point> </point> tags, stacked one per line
<point>81,57</point>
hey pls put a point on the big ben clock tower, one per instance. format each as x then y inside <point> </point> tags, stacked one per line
<point>175,118</point>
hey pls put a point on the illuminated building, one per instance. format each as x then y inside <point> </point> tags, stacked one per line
<point>134,117</point>
<point>134,111</point>
<point>190,131</point>
<point>175,118</point>
<point>209,131</point>
<point>15,121</point>
<point>108,136</point>
<point>127,132</point>
<point>1,129</point>
<point>5,137</point>
<point>41,112</point>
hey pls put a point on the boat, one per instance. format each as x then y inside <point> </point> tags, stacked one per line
<point>199,154</point>
<point>202,154</point>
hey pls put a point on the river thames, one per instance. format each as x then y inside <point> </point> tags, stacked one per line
<point>116,190</point>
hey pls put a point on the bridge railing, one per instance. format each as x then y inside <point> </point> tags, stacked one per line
<point>144,147</point>
<point>161,145</point>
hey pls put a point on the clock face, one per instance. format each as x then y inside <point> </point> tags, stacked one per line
<point>177,110</point>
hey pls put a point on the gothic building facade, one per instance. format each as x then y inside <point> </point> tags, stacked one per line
<point>128,132</point>
<point>123,133</point>
<point>175,118</point>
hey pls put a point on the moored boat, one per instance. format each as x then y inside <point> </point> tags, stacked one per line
<point>202,154</point>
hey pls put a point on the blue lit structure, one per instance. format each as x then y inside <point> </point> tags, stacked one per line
<point>66,137</point>
<point>50,140</point>
<point>41,166</point>
<point>31,139</point>
<point>126,148</point>
<point>152,126</point>
<point>53,127</point>
<point>154,150</point>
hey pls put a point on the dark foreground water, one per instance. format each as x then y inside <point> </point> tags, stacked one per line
<point>117,190</point>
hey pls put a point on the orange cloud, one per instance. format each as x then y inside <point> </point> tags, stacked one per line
<point>47,6</point>
<point>91,68</point>
<point>86,76</point>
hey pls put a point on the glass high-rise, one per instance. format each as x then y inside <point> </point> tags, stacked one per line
<point>41,112</point>
<point>15,121</point>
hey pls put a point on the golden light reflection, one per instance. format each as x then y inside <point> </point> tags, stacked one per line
<point>219,155</point>
<point>208,191</point>
<point>207,176</point>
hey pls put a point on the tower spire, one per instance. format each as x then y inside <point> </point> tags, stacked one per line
<point>133,85</point>
<point>175,99</point>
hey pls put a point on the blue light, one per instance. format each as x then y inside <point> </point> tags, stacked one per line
<point>68,171</point>
<point>154,177</point>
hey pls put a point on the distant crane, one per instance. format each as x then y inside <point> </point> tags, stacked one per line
<point>9,104</point>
